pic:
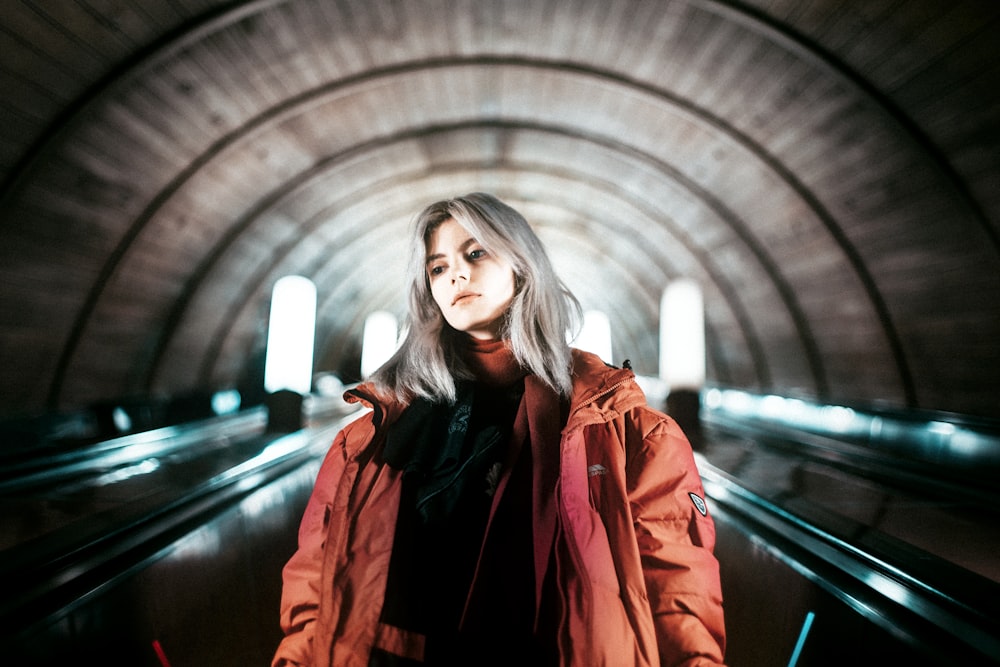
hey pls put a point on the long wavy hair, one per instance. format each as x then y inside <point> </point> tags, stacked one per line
<point>541,315</point>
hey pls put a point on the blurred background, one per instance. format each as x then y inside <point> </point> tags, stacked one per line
<point>784,213</point>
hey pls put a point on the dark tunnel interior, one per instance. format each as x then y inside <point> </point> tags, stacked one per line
<point>825,172</point>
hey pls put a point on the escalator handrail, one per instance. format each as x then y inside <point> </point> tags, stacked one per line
<point>60,582</point>
<point>918,475</point>
<point>970,625</point>
<point>129,449</point>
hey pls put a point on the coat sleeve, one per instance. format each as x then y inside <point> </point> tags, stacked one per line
<point>676,538</point>
<point>302,575</point>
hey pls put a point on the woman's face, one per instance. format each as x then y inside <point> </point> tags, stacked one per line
<point>471,287</point>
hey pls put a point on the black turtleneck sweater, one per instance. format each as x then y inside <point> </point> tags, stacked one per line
<point>452,456</point>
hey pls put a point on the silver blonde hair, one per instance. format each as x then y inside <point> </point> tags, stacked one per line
<point>536,324</point>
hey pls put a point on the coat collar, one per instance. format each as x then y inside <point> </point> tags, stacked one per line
<point>600,393</point>
<point>386,408</point>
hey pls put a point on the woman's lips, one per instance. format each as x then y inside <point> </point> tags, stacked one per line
<point>462,295</point>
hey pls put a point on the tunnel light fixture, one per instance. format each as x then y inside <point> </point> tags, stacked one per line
<point>121,419</point>
<point>290,336</point>
<point>226,402</point>
<point>379,342</point>
<point>595,335</point>
<point>682,335</point>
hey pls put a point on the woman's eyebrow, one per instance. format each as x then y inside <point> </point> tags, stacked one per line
<point>462,248</point>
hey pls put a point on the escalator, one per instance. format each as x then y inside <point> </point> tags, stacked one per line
<point>107,548</point>
<point>167,548</point>
<point>839,547</point>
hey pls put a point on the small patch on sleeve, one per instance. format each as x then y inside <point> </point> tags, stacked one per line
<point>699,503</point>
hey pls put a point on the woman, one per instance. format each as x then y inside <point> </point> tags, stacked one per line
<point>508,499</point>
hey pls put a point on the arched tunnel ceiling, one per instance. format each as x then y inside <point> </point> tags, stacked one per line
<point>827,171</point>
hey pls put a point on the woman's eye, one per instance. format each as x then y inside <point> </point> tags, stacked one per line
<point>478,253</point>
<point>435,270</point>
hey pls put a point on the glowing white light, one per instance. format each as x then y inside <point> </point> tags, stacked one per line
<point>941,428</point>
<point>713,398</point>
<point>121,419</point>
<point>290,335</point>
<point>654,388</point>
<point>328,384</point>
<point>772,406</point>
<point>682,335</point>
<point>226,402</point>
<point>737,401</point>
<point>838,418</point>
<point>595,336</point>
<point>379,342</point>
<point>127,472</point>
<point>889,588</point>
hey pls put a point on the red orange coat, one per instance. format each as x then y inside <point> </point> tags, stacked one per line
<point>633,551</point>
